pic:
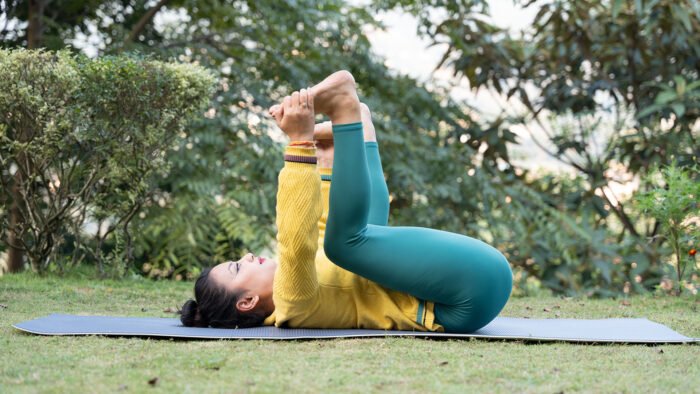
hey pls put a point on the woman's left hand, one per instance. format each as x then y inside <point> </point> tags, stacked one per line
<point>296,116</point>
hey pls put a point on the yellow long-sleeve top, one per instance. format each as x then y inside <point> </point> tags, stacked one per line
<point>310,291</point>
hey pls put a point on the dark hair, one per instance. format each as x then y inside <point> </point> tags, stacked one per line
<point>216,307</point>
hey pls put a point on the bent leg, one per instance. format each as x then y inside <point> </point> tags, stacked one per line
<point>468,280</point>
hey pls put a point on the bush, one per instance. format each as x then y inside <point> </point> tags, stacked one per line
<point>673,202</point>
<point>82,140</point>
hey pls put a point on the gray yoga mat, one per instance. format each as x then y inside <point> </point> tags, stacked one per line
<point>569,330</point>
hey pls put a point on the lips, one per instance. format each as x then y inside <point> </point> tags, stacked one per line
<point>261,260</point>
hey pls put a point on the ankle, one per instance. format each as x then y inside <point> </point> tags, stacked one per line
<point>345,109</point>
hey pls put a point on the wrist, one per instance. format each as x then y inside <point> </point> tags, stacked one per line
<point>302,137</point>
<point>302,144</point>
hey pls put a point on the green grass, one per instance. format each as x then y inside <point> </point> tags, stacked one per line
<point>97,364</point>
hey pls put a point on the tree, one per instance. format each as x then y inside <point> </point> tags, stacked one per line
<point>586,71</point>
<point>261,51</point>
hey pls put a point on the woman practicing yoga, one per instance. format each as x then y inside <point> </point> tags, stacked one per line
<point>340,265</point>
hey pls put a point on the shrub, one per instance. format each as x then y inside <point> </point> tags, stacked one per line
<point>82,140</point>
<point>673,202</point>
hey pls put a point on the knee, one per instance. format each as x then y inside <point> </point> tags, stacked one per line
<point>343,247</point>
<point>497,288</point>
<point>506,272</point>
<point>333,248</point>
<point>503,278</point>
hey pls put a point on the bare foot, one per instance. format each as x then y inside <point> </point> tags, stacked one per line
<point>336,97</point>
<point>323,131</point>
<point>367,125</point>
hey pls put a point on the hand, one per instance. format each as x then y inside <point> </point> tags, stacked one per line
<point>296,115</point>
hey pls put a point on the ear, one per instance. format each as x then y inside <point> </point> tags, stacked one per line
<point>247,303</point>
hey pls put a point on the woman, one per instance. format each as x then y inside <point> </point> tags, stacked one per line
<point>340,265</point>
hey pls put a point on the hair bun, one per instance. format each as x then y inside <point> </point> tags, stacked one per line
<point>190,315</point>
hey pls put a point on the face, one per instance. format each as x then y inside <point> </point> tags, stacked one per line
<point>252,276</point>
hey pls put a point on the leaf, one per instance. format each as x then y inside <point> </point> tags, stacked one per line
<point>683,16</point>
<point>649,110</point>
<point>665,97</point>
<point>678,108</point>
<point>617,5</point>
<point>693,85</point>
<point>680,85</point>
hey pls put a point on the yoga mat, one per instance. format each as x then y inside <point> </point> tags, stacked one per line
<point>569,330</point>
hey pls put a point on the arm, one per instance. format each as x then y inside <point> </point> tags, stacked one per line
<point>298,203</point>
<point>324,154</point>
<point>298,211</point>
<point>325,193</point>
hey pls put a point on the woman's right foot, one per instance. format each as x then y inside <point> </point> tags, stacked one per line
<point>337,98</point>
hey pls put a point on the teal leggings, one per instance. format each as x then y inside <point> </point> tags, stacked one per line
<point>468,280</point>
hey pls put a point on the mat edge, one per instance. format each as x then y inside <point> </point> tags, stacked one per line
<point>377,335</point>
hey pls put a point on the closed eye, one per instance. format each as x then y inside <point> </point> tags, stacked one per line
<point>238,266</point>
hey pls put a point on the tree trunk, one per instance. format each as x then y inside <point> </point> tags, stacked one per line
<point>35,27</point>
<point>15,255</point>
<point>141,24</point>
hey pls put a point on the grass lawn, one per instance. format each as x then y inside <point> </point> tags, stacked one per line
<point>96,364</point>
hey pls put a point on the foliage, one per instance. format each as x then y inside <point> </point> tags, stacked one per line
<point>675,205</point>
<point>224,168</point>
<point>217,199</point>
<point>86,136</point>
<point>612,84</point>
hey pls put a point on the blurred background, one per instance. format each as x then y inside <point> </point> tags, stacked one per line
<point>564,133</point>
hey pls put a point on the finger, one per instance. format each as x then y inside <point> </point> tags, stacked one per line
<point>310,99</point>
<point>287,103</point>
<point>295,99</point>
<point>279,112</point>
<point>303,98</point>
<point>274,110</point>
